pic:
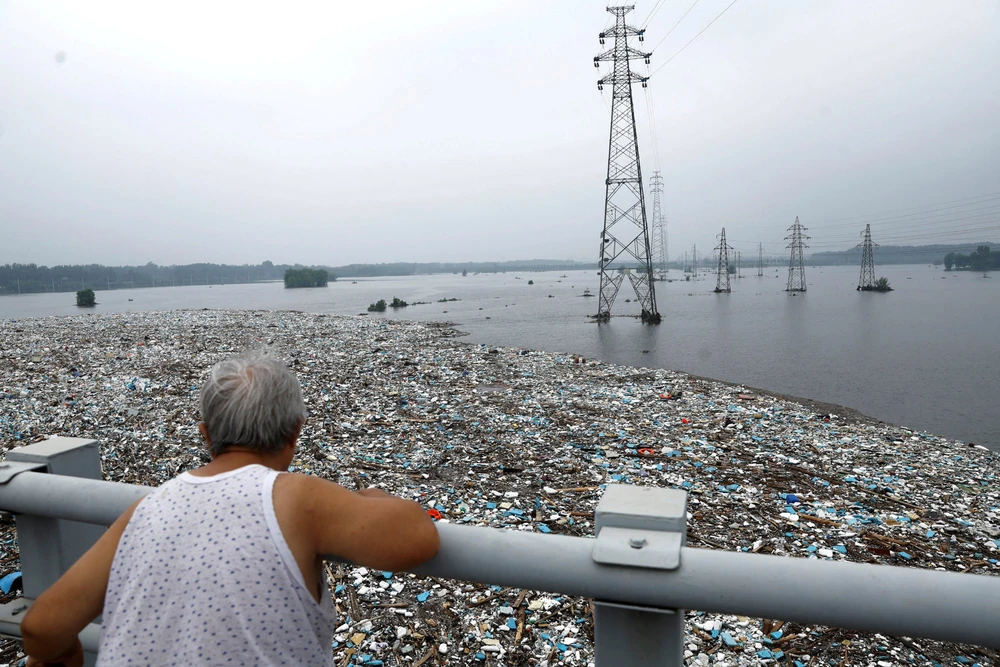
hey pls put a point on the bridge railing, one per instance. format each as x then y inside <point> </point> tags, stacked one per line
<point>637,569</point>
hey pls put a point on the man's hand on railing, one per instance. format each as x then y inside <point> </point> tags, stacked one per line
<point>71,658</point>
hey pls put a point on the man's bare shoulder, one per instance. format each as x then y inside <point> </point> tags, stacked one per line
<point>300,488</point>
<point>368,527</point>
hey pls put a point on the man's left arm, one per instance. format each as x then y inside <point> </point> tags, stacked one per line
<point>53,623</point>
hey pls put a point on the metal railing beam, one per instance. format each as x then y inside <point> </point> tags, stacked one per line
<point>904,601</point>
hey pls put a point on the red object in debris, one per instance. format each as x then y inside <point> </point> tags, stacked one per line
<point>646,451</point>
<point>666,397</point>
<point>685,420</point>
<point>434,514</point>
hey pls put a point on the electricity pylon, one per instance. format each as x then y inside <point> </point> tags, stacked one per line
<point>760,260</point>
<point>722,273</point>
<point>694,259</point>
<point>626,232</point>
<point>796,264</point>
<point>659,236</point>
<point>867,281</point>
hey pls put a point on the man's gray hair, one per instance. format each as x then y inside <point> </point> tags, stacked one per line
<point>251,401</point>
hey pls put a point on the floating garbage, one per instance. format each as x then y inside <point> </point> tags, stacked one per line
<point>10,581</point>
<point>526,441</point>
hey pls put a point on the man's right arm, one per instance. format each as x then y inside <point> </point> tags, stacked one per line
<point>368,527</point>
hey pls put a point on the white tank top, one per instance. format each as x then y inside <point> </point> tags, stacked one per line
<point>203,576</point>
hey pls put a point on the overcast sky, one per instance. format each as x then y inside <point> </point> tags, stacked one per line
<point>332,133</point>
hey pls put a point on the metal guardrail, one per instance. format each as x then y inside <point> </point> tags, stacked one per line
<point>637,569</point>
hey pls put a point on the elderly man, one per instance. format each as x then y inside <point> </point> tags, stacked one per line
<point>223,564</point>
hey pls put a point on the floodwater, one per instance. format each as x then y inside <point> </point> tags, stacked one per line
<point>923,356</point>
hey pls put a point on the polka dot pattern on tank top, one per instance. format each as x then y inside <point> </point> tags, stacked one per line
<point>200,578</point>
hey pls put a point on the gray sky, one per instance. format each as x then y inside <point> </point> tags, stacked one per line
<point>456,130</point>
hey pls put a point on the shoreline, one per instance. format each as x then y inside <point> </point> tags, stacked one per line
<point>521,440</point>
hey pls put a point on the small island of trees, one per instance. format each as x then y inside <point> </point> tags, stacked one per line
<point>880,285</point>
<point>85,298</point>
<point>306,278</point>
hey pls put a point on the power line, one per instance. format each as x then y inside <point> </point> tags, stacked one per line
<point>928,224</point>
<point>650,116</point>
<point>983,226</point>
<point>656,8</point>
<point>927,227</point>
<point>912,208</point>
<point>900,242</point>
<point>896,224</point>
<point>695,37</point>
<point>675,25</point>
<point>902,219</point>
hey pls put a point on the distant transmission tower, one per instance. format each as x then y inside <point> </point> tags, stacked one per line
<point>796,264</point>
<point>722,273</point>
<point>867,281</point>
<point>760,260</point>
<point>626,231</point>
<point>659,237</point>
<point>694,259</point>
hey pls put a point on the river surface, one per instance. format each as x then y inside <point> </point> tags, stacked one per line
<point>924,356</point>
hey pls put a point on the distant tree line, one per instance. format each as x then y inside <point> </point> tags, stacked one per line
<point>306,278</point>
<point>893,254</point>
<point>27,278</point>
<point>980,260</point>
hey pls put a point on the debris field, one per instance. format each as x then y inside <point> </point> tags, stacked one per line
<point>520,440</point>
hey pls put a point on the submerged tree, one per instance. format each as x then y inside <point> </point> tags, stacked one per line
<point>882,285</point>
<point>85,298</point>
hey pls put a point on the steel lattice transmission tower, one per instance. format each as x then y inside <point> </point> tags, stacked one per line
<point>867,281</point>
<point>626,234</point>
<point>658,245</point>
<point>760,260</point>
<point>796,264</point>
<point>722,273</point>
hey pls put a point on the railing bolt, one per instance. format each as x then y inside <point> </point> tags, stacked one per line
<point>637,542</point>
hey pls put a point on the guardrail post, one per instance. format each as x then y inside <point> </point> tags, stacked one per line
<point>639,527</point>
<point>48,547</point>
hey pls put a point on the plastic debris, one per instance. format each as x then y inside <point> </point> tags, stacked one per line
<point>10,581</point>
<point>525,441</point>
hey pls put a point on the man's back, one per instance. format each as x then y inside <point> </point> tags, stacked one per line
<point>203,575</point>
